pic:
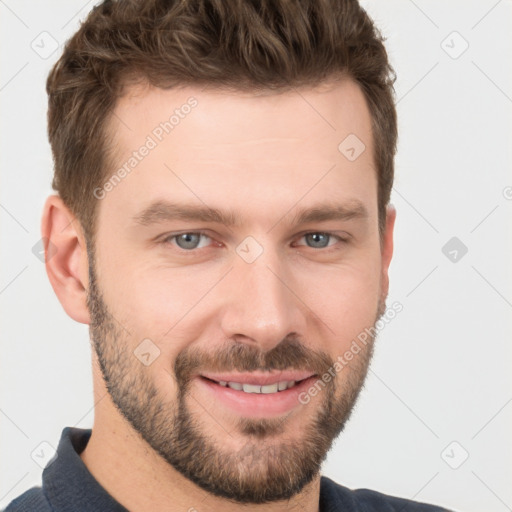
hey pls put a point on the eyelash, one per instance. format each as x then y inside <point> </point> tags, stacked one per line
<point>327,249</point>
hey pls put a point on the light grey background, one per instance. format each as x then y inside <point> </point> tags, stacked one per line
<point>441,372</point>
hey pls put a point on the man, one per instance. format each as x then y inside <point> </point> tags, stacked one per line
<point>223,225</point>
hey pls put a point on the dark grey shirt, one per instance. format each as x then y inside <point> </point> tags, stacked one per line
<point>68,486</point>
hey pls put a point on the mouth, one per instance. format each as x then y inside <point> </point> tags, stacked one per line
<point>265,389</point>
<point>253,395</point>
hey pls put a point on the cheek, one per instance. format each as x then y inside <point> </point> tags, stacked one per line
<point>345,299</point>
<point>152,301</point>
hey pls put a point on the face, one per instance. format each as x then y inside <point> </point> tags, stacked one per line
<point>241,247</point>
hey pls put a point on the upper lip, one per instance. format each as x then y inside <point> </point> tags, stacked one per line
<point>259,378</point>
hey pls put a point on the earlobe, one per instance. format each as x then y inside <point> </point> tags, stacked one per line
<point>66,258</point>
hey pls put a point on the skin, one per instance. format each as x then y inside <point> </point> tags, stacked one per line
<point>298,305</point>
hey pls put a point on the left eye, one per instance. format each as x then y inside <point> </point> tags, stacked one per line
<point>319,240</point>
<point>190,241</point>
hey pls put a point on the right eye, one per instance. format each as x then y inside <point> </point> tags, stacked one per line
<point>187,241</point>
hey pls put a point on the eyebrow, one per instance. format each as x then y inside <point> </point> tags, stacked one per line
<point>164,211</point>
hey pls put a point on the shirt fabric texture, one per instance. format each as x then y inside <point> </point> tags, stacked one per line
<point>68,486</point>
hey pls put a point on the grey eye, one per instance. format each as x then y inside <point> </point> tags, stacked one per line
<point>188,240</point>
<point>319,240</point>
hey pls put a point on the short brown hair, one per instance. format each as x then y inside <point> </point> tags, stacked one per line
<point>269,45</point>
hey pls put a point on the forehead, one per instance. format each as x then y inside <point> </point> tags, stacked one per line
<point>220,146</point>
<point>330,109</point>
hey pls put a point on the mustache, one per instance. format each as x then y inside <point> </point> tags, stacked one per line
<point>290,354</point>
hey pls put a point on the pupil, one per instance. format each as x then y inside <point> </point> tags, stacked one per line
<point>317,239</point>
<point>188,240</point>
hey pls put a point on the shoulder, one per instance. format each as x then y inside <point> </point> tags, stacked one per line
<point>32,500</point>
<point>335,497</point>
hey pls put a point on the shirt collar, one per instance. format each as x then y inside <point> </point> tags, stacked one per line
<point>68,484</point>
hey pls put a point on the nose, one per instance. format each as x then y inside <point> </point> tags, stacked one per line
<point>261,306</point>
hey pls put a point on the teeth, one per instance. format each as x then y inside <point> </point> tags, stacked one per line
<point>271,388</point>
<point>282,386</point>
<point>251,388</point>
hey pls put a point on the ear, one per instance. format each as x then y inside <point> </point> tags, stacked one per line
<point>387,248</point>
<point>66,258</point>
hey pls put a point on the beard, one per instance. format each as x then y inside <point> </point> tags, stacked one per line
<point>269,467</point>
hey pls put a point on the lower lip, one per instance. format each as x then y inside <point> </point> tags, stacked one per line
<point>257,404</point>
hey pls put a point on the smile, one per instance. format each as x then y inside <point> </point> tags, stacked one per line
<point>252,388</point>
<point>255,399</point>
